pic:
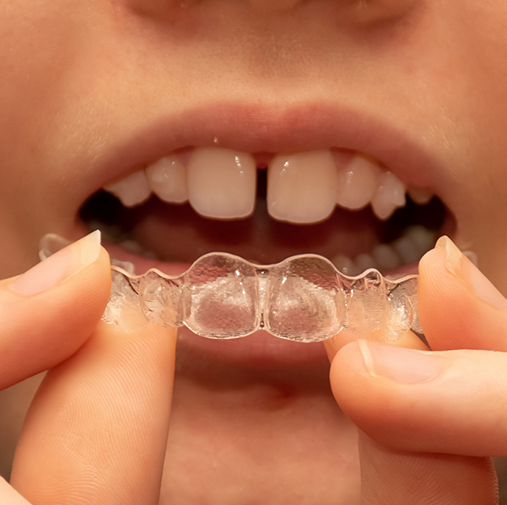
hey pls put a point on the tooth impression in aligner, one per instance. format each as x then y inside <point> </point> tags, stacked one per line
<point>221,183</point>
<point>131,190</point>
<point>303,298</point>
<point>168,179</point>
<point>302,187</point>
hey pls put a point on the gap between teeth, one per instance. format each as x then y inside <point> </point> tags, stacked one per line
<point>302,188</point>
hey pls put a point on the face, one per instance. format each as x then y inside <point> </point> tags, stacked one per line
<point>323,102</point>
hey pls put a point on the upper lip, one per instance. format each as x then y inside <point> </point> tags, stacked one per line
<point>268,128</point>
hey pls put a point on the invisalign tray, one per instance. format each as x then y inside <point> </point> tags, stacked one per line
<point>304,298</point>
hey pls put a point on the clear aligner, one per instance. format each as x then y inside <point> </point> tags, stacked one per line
<point>304,298</point>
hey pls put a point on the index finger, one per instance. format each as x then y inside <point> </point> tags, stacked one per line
<point>49,312</point>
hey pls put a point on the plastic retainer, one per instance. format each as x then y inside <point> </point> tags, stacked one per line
<point>304,298</point>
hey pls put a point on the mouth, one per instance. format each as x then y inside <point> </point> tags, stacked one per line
<point>356,207</point>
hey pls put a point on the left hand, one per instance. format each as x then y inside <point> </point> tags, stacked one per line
<point>430,421</point>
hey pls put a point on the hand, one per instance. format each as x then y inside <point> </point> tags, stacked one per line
<point>430,420</point>
<point>96,430</point>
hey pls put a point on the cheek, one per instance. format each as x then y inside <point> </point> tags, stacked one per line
<point>38,46</point>
<point>478,37</point>
<point>38,49</point>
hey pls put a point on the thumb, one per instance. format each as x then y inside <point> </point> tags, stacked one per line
<point>390,477</point>
<point>96,431</point>
<point>409,406</point>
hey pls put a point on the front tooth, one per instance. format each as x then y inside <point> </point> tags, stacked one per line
<point>357,180</point>
<point>390,195</point>
<point>132,190</point>
<point>168,179</point>
<point>302,187</point>
<point>221,183</point>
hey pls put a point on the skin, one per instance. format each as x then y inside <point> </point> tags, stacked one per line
<point>78,79</point>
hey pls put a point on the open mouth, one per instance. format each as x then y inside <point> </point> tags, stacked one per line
<point>341,204</point>
<point>266,183</point>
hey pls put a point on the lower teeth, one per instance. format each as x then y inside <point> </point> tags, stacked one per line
<point>407,249</point>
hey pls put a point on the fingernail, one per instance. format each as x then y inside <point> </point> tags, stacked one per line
<point>462,267</point>
<point>402,365</point>
<point>452,255</point>
<point>60,266</point>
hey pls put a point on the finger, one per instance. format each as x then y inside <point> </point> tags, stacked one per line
<point>48,312</point>
<point>9,496</point>
<point>435,402</point>
<point>97,429</point>
<point>458,306</point>
<point>412,406</point>
<point>409,340</point>
<point>390,477</point>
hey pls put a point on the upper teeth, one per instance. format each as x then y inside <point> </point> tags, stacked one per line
<point>390,194</point>
<point>167,178</point>
<point>132,190</point>
<point>221,183</point>
<point>302,188</point>
<point>358,180</point>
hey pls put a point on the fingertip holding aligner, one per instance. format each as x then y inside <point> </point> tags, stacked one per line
<point>303,298</point>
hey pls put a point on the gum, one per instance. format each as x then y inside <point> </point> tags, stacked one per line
<point>303,298</point>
